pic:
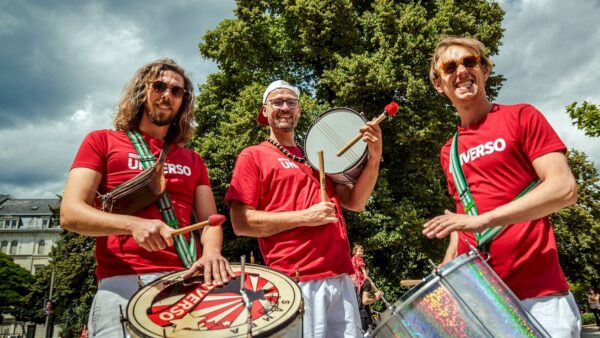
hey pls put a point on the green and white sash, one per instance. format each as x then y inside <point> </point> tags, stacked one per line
<point>485,237</point>
<point>186,251</point>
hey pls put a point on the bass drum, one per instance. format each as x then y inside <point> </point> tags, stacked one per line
<point>170,307</point>
<point>331,131</point>
<point>465,298</point>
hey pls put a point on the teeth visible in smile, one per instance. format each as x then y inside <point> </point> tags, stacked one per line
<point>464,84</point>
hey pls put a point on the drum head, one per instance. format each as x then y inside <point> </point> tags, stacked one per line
<point>168,307</point>
<point>332,131</point>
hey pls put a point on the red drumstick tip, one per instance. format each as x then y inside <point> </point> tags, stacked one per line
<point>216,219</point>
<point>391,108</point>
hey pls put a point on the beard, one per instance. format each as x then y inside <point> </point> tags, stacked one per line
<point>283,124</point>
<point>160,118</point>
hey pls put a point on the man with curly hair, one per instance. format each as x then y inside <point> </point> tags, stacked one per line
<point>156,111</point>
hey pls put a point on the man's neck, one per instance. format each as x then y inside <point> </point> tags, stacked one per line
<point>152,129</point>
<point>285,138</point>
<point>473,112</point>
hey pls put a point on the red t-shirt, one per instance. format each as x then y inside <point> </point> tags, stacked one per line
<point>112,154</point>
<point>496,156</point>
<point>265,179</point>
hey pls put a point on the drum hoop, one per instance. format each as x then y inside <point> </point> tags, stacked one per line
<point>319,118</point>
<point>282,323</point>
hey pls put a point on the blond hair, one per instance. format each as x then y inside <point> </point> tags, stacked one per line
<point>356,247</point>
<point>131,105</point>
<point>464,41</point>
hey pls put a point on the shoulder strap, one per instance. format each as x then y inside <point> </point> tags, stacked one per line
<point>186,251</point>
<point>485,237</point>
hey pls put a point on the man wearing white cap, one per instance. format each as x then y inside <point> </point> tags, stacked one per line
<point>275,196</point>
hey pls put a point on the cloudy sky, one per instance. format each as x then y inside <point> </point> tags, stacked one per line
<point>65,62</point>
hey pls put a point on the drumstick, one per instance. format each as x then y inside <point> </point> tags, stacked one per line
<point>410,282</point>
<point>322,176</point>
<point>389,110</point>
<point>213,220</point>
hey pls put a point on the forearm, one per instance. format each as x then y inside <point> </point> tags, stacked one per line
<point>258,223</point>
<point>357,196</point>
<point>86,220</point>
<point>212,239</point>
<point>546,198</point>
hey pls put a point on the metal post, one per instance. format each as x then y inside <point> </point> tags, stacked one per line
<point>48,331</point>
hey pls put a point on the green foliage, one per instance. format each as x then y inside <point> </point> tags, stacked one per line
<point>14,287</point>
<point>586,117</point>
<point>359,54</point>
<point>73,264</point>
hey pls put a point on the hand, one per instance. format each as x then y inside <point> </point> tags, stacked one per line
<point>441,226</point>
<point>215,268</point>
<point>372,136</point>
<point>151,234</point>
<point>378,295</point>
<point>321,213</point>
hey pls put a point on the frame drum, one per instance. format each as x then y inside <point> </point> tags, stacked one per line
<point>330,132</point>
<point>170,307</point>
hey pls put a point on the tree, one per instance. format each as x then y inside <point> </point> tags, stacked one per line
<point>586,117</point>
<point>73,264</point>
<point>14,287</point>
<point>360,54</point>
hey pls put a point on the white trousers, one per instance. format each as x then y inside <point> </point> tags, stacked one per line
<point>114,292</point>
<point>330,308</point>
<point>559,315</point>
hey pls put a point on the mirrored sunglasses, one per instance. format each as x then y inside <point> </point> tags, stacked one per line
<point>469,61</point>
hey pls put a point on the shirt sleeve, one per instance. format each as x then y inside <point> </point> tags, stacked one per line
<point>245,182</point>
<point>203,178</point>
<point>537,135</point>
<point>92,152</point>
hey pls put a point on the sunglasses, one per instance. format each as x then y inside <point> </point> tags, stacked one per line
<point>469,61</point>
<point>161,87</point>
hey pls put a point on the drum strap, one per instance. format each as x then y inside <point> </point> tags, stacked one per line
<point>186,251</point>
<point>483,238</point>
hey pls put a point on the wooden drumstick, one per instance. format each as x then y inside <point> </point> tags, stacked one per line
<point>410,282</point>
<point>389,110</point>
<point>322,176</point>
<point>213,220</point>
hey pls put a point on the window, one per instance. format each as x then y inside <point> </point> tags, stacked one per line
<point>13,247</point>
<point>6,223</point>
<point>44,223</point>
<point>37,268</point>
<point>13,224</point>
<point>4,246</point>
<point>41,247</point>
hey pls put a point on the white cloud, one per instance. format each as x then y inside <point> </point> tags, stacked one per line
<point>550,53</point>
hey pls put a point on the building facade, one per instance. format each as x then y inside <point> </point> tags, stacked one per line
<point>28,230</point>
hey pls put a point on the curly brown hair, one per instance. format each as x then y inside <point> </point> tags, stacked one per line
<point>131,105</point>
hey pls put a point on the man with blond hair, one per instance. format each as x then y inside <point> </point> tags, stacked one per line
<point>501,152</point>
